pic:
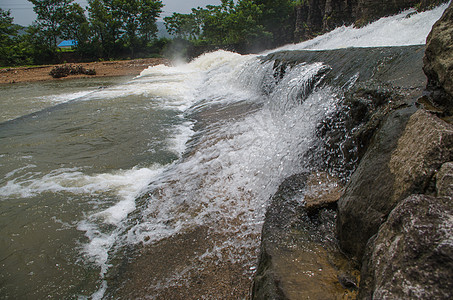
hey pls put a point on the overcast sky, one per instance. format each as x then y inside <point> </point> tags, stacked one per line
<point>22,10</point>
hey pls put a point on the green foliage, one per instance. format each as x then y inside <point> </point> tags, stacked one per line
<point>13,50</point>
<point>37,49</point>
<point>73,22</point>
<point>51,15</point>
<point>183,25</point>
<point>122,25</point>
<point>278,18</point>
<point>104,27</point>
<point>127,28</point>
<point>247,22</point>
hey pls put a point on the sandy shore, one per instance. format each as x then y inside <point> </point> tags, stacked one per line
<point>106,68</point>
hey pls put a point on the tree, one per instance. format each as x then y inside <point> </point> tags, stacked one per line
<point>72,23</point>
<point>278,19</point>
<point>183,26</point>
<point>123,24</point>
<point>7,31</point>
<point>38,50</point>
<point>139,21</point>
<point>51,15</point>
<point>244,26</point>
<point>105,25</point>
<point>149,12</point>
<point>228,23</point>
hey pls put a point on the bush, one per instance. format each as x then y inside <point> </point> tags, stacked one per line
<point>63,71</point>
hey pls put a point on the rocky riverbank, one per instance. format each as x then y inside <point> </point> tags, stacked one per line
<point>102,69</point>
<point>406,248</point>
<point>390,233</point>
<point>319,16</point>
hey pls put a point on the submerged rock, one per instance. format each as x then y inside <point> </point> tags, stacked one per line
<point>299,258</point>
<point>438,61</point>
<point>412,255</point>
<point>402,160</point>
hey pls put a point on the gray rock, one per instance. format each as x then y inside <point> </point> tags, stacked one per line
<point>444,180</point>
<point>360,211</point>
<point>412,255</point>
<point>438,60</point>
<point>401,160</point>
<point>427,143</point>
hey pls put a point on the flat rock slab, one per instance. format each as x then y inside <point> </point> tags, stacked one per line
<point>299,258</point>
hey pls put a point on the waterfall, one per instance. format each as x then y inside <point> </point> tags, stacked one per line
<point>184,158</point>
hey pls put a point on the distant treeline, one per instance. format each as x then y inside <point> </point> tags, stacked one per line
<point>115,29</point>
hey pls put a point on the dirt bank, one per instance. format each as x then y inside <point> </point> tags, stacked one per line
<point>106,68</point>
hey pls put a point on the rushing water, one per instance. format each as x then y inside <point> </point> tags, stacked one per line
<point>92,168</point>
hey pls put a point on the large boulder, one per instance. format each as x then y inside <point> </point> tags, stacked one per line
<point>412,255</point>
<point>403,158</point>
<point>438,60</point>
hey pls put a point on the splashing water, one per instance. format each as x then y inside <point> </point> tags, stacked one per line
<point>202,144</point>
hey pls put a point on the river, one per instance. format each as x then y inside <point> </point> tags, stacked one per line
<point>168,174</point>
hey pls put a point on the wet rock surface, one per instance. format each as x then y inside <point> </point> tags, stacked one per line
<point>321,191</point>
<point>365,203</point>
<point>299,257</point>
<point>394,217</point>
<point>427,143</point>
<point>183,276</point>
<point>402,160</point>
<point>438,61</point>
<point>411,257</point>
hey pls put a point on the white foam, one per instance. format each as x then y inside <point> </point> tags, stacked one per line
<point>404,29</point>
<point>12,173</point>
<point>66,97</point>
<point>181,135</point>
<point>99,294</point>
<point>169,87</point>
<point>126,183</point>
<point>236,167</point>
<point>211,76</point>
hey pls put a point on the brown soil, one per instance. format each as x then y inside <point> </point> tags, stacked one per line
<point>106,68</point>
